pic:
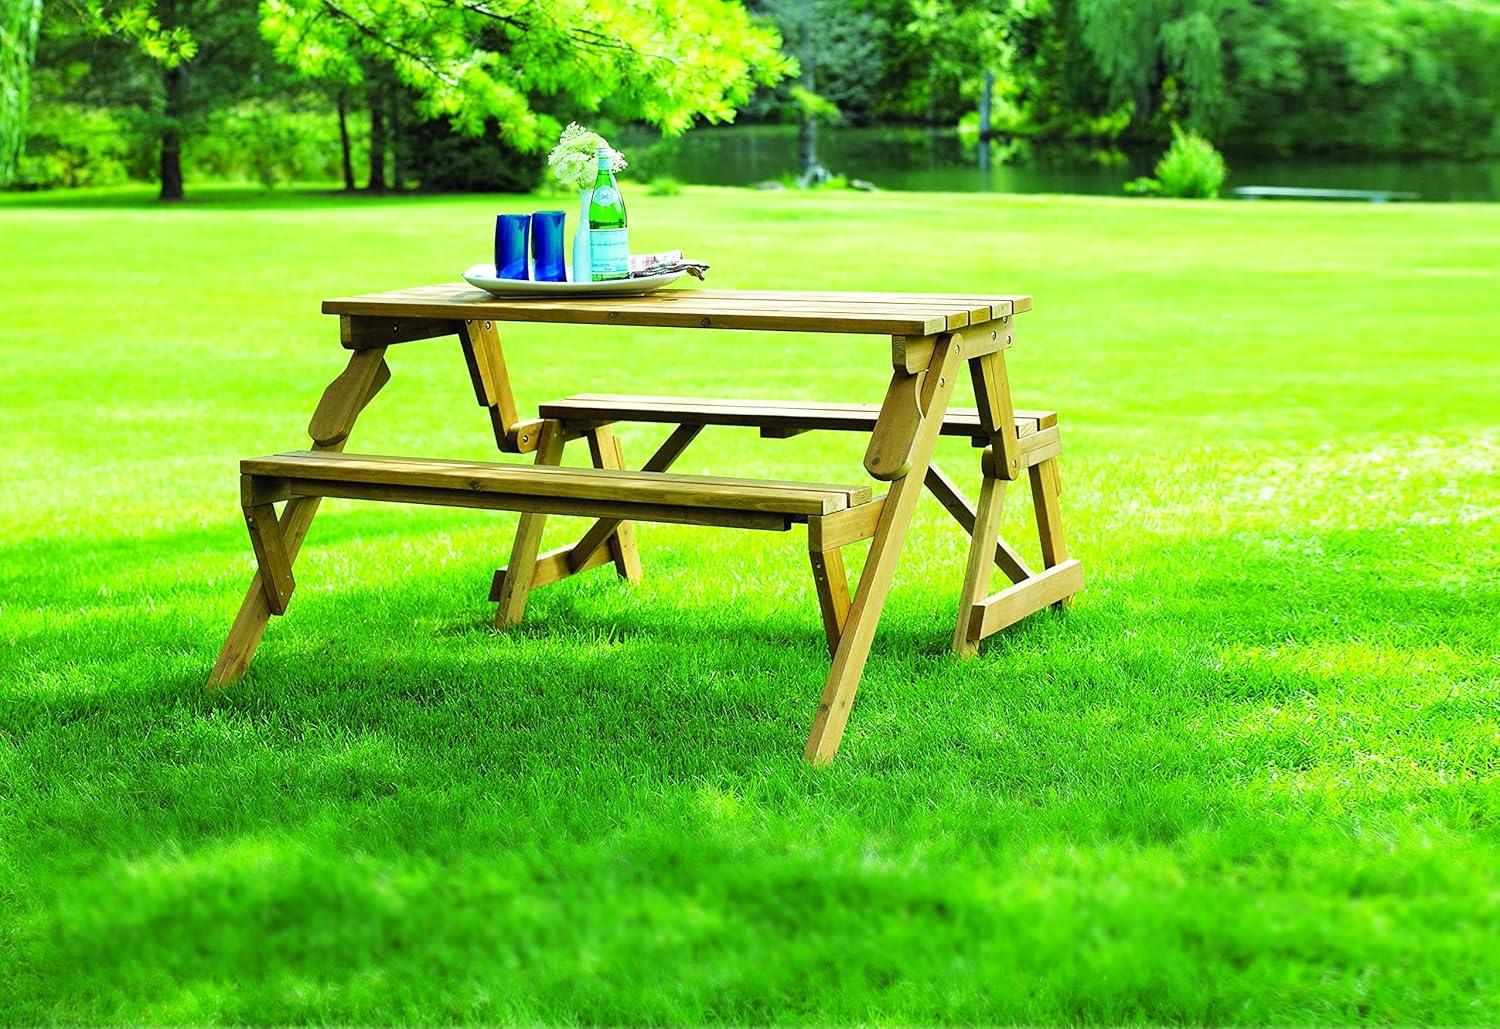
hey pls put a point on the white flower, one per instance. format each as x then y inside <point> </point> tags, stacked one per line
<point>573,161</point>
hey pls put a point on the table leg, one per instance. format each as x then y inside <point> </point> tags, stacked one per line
<point>832,585</point>
<point>977,574</point>
<point>909,450</point>
<point>341,403</point>
<point>604,447</point>
<point>521,568</point>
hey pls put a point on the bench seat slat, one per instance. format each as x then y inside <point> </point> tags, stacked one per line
<point>799,499</point>
<point>793,414</point>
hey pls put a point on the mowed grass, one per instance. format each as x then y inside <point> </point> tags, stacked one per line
<point>1250,776</point>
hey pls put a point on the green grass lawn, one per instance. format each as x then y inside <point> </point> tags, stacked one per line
<point>1250,776</point>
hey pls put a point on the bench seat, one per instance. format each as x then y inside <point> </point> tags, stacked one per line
<point>772,417</point>
<point>593,492</point>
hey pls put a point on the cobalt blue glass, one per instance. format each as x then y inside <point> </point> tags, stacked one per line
<point>511,231</point>
<point>547,246</point>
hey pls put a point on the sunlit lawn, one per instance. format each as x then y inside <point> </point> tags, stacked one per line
<point>1250,776</point>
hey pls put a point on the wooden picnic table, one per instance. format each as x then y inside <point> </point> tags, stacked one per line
<point>931,337</point>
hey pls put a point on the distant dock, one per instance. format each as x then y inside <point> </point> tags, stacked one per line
<point>1374,196</point>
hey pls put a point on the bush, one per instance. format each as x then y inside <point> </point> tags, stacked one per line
<point>443,161</point>
<point>71,145</point>
<point>264,142</point>
<point>1191,167</point>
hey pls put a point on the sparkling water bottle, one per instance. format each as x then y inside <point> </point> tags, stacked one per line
<point>609,248</point>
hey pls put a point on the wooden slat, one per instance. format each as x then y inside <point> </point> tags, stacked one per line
<point>999,304</point>
<point>848,526</point>
<point>793,498</point>
<point>585,507</point>
<point>271,556</point>
<point>912,353</point>
<point>1048,518</point>
<point>550,567</point>
<point>832,586</point>
<point>996,414</point>
<point>347,395</point>
<point>788,415</point>
<point>367,333</point>
<point>892,314</point>
<point>1009,606</point>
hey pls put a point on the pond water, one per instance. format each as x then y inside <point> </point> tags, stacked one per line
<point>915,158</point>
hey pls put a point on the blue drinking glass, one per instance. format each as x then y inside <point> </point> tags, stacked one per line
<point>511,231</point>
<point>547,246</point>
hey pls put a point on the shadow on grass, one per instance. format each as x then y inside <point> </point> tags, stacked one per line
<point>605,816</point>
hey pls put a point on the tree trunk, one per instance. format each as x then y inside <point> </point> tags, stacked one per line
<point>344,142</point>
<point>807,127</point>
<point>175,81</point>
<point>398,177</point>
<point>986,91</point>
<point>377,141</point>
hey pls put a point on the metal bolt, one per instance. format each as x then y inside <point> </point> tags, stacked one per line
<point>706,322</point>
<point>942,381</point>
<point>486,325</point>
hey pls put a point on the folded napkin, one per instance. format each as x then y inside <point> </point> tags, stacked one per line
<point>663,263</point>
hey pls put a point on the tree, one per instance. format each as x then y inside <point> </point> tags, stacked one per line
<point>207,55</point>
<point>19,21</point>
<point>479,62</point>
<point>838,50</point>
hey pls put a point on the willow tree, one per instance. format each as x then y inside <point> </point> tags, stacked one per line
<point>512,62</point>
<point>19,20</point>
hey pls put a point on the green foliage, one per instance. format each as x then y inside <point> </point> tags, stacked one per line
<point>19,22</point>
<point>1399,76</point>
<point>71,145</point>
<point>439,159</point>
<point>840,47</point>
<point>1191,168</point>
<point>477,65</point>
<point>265,142</point>
<point>664,186</point>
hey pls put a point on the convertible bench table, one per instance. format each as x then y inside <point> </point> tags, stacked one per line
<point>930,338</point>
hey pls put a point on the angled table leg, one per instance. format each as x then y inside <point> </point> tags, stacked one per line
<point>519,572</point>
<point>342,402</point>
<point>977,574</point>
<point>904,448</point>
<point>604,447</point>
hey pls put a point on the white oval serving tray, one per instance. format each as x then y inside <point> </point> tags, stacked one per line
<point>483,277</point>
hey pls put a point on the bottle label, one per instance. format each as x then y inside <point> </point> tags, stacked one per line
<point>605,196</point>
<point>609,254</point>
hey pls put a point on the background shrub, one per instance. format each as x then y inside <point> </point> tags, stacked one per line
<point>1191,167</point>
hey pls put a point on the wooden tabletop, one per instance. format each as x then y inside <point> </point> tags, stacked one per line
<point>896,314</point>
